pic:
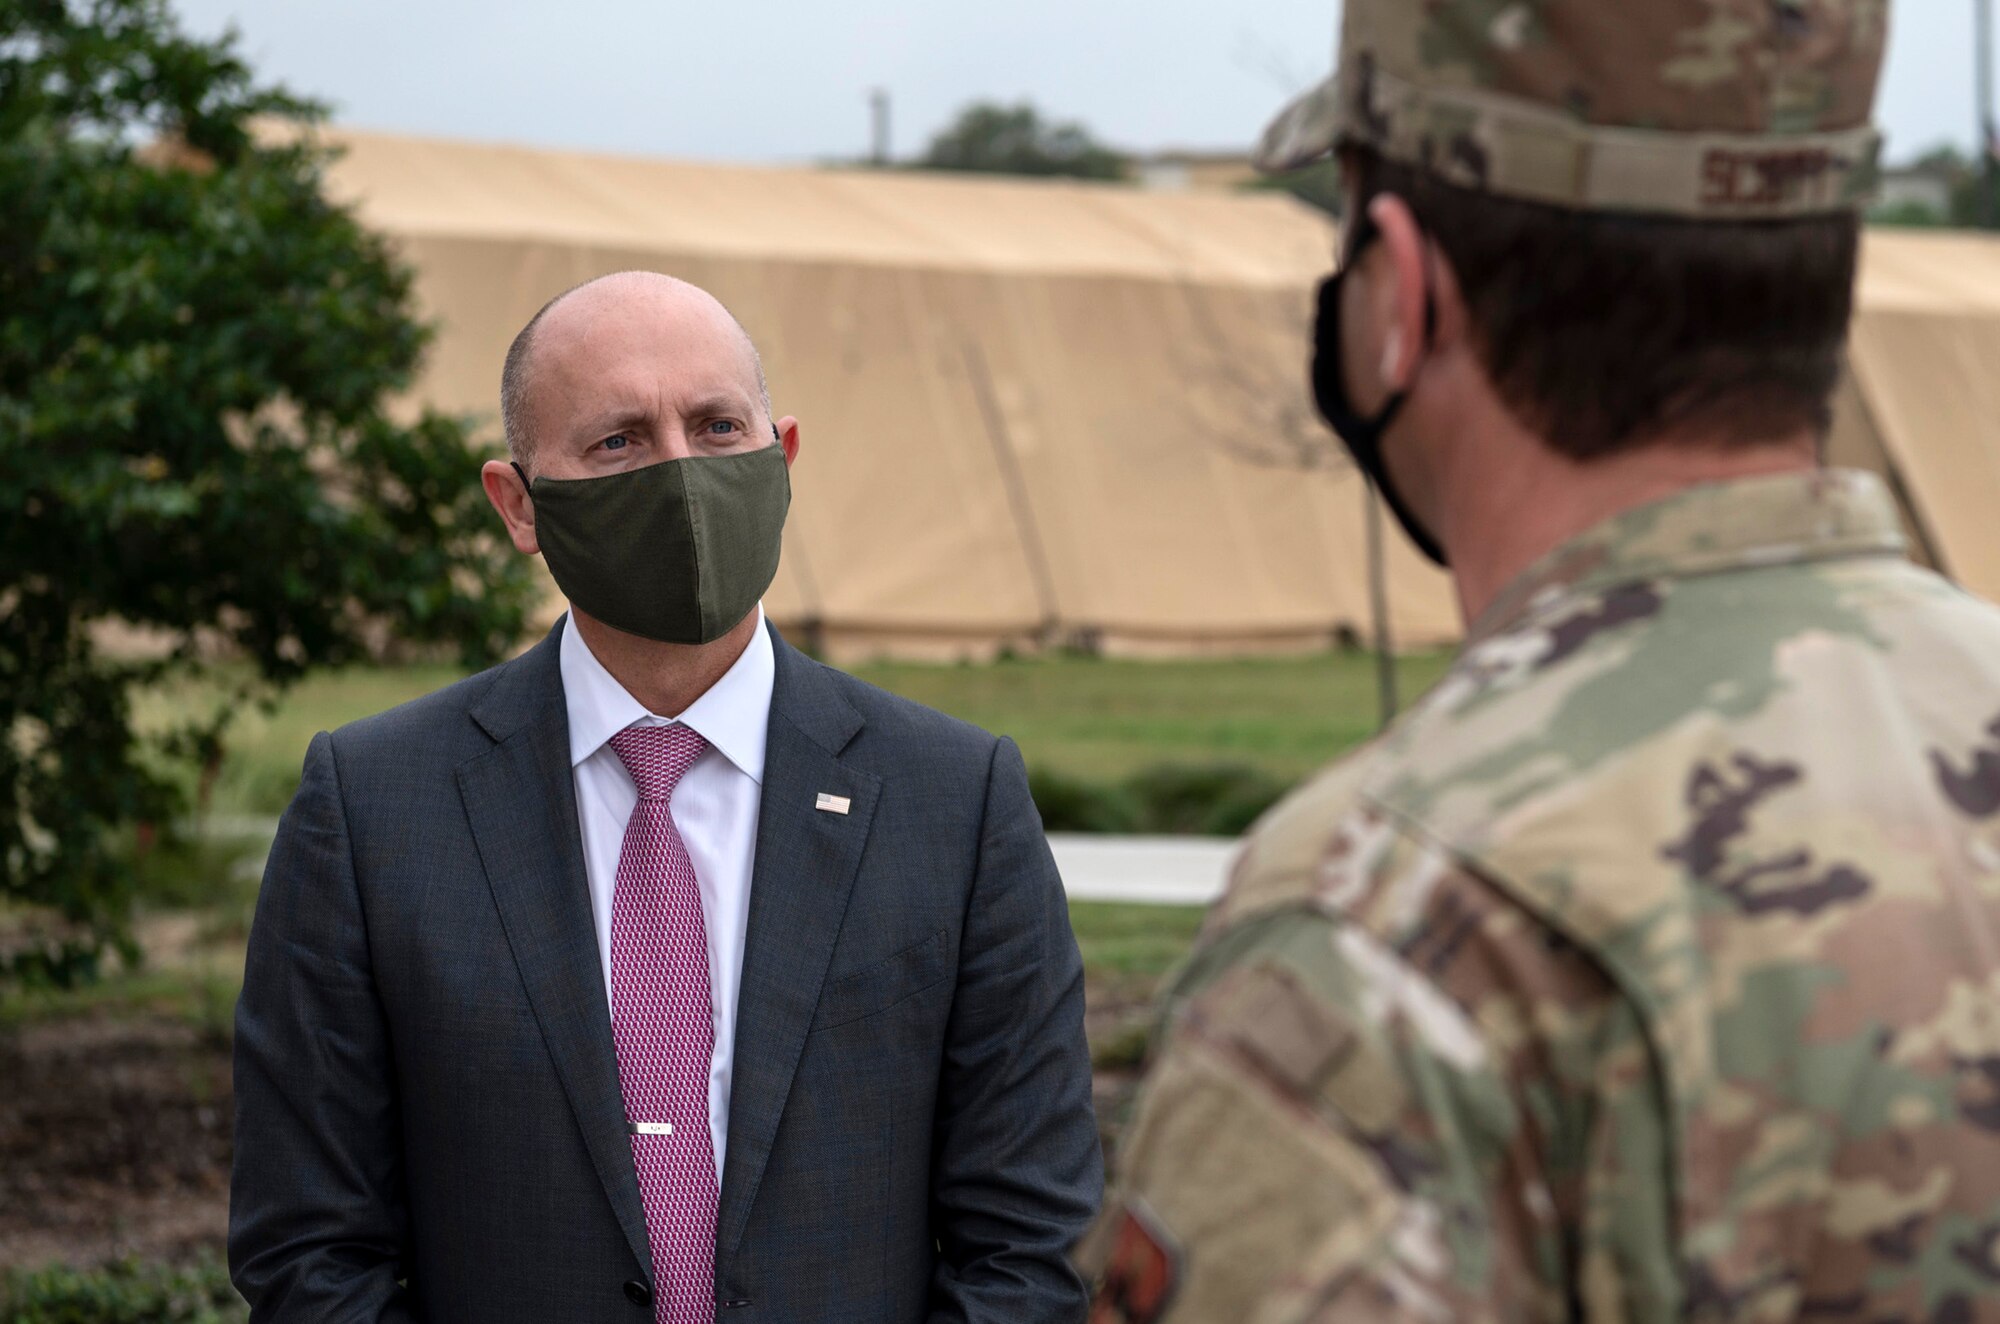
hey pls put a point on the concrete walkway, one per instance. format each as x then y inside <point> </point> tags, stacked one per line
<point>1165,871</point>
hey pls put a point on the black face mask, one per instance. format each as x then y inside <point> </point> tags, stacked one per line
<point>1362,433</point>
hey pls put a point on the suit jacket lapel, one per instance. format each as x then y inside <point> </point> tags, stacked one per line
<point>805,868</point>
<point>521,801</point>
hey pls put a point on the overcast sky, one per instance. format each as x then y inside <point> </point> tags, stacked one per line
<point>787,80</point>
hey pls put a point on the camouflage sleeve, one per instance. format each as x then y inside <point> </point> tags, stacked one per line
<point>1346,1121</point>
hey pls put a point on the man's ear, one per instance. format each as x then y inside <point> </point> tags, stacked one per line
<point>787,429</point>
<point>510,497</point>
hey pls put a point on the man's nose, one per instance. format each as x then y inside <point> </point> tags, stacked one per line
<point>678,444</point>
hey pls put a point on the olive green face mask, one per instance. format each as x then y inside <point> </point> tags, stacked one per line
<point>678,551</point>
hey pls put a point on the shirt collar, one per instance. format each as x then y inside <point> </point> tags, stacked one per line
<point>733,715</point>
<point>1780,519</point>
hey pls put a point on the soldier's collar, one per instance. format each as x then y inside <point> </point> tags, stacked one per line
<point>1775,520</point>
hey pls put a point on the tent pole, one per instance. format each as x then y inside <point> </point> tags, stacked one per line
<point>1378,606</point>
<point>1988,133</point>
<point>1015,484</point>
<point>878,137</point>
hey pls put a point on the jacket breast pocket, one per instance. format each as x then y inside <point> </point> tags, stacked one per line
<point>876,988</point>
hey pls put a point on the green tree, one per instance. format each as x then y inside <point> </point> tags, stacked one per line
<point>1015,140</point>
<point>196,348</point>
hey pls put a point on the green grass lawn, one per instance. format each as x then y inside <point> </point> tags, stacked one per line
<point>1108,719</point>
<point>1096,719</point>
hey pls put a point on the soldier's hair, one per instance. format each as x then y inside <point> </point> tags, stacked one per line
<point>1603,332</point>
<point>515,377</point>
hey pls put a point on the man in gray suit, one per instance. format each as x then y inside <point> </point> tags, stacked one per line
<point>661,972</point>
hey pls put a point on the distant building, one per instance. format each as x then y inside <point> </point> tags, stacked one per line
<point>1923,187</point>
<point>1195,172</point>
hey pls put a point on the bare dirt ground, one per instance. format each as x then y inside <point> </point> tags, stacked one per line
<point>114,1141</point>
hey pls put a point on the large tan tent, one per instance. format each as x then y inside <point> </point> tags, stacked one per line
<point>1059,411</point>
<point>1922,402</point>
<point>1031,411</point>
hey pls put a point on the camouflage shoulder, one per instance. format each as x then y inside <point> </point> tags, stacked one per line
<point>1338,1122</point>
<point>1286,853</point>
<point>1281,1166</point>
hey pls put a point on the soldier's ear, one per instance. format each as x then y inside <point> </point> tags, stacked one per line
<point>1430,303</point>
<point>1401,297</point>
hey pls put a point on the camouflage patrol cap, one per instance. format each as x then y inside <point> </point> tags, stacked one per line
<point>1709,109</point>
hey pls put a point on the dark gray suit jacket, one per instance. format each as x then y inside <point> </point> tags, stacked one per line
<point>428,1119</point>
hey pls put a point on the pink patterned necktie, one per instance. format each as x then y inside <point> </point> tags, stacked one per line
<point>663,1021</point>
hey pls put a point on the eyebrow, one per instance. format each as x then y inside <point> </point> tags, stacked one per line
<point>622,420</point>
<point>719,404</point>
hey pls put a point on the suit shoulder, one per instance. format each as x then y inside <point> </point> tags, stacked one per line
<point>435,722</point>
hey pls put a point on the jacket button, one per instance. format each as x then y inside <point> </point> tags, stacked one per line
<point>638,1293</point>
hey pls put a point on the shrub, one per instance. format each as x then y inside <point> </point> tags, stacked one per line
<point>1218,799</point>
<point>1237,809</point>
<point>1206,800</point>
<point>127,1293</point>
<point>1071,804</point>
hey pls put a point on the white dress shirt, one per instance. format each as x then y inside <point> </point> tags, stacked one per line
<point>714,805</point>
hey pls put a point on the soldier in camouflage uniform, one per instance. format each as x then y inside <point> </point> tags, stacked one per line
<point>1649,969</point>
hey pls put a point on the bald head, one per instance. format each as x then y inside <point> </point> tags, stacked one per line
<point>611,327</point>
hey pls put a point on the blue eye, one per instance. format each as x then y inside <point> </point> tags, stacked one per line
<point>615,442</point>
<point>724,423</point>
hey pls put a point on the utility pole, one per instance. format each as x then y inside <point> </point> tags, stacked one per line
<point>1982,54</point>
<point>878,107</point>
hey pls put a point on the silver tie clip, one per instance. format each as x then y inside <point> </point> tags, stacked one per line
<point>833,804</point>
<point>650,1128</point>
